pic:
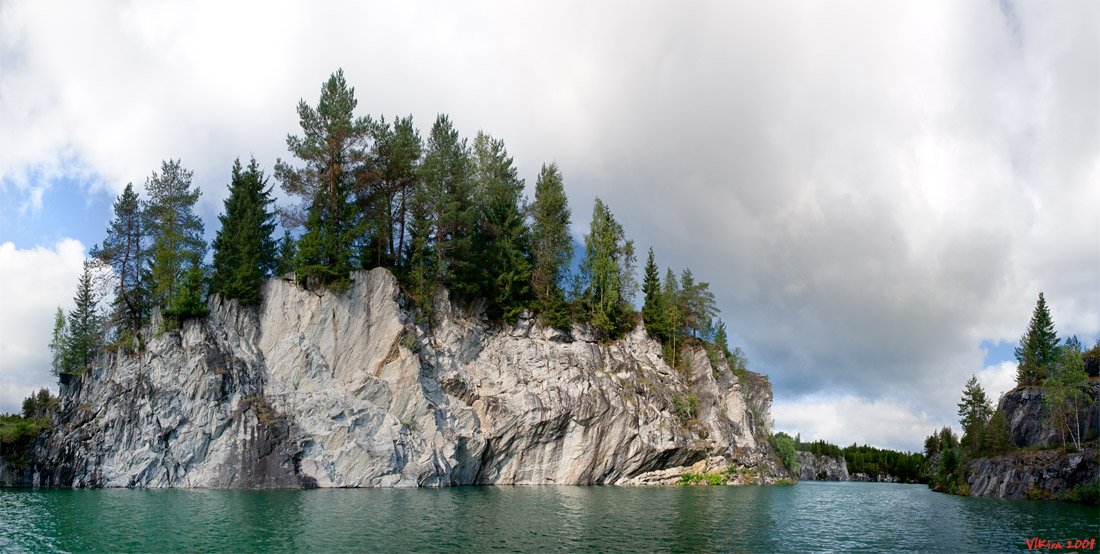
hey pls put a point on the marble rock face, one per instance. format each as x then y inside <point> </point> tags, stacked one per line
<point>347,389</point>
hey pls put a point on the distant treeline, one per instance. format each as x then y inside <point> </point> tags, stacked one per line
<point>874,462</point>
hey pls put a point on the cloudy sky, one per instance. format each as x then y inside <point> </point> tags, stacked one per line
<point>876,191</point>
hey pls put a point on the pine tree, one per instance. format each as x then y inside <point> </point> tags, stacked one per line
<point>126,251</point>
<point>974,413</point>
<point>398,149</point>
<point>608,268</point>
<point>83,340</point>
<point>552,247</point>
<point>333,147</point>
<point>654,313</point>
<point>178,243</point>
<point>697,305</point>
<point>501,234</point>
<point>1038,349</point>
<point>244,249</point>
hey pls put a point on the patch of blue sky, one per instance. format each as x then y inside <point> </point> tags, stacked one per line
<point>67,208</point>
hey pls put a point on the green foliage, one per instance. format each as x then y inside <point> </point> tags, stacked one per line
<point>704,478</point>
<point>608,271</point>
<point>178,244</point>
<point>501,236</point>
<point>1038,348</point>
<point>696,305</point>
<point>333,150</point>
<point>1066,399</point>
<point>876,462</point>
<point>551,246</point>
<point>398,149</point>
<point>1088,494</point>
<point>998,440</point>
<point>126,251</point>
<point>244,249</point>
<point>288,248</point>
<point>17,433</point>
<point>450,213</point>
<point>974,413</point>
<point>783,445</point>
<point>77,340</point>
<point>57,342</point>
<point>686,407</point>
<point>654,313</point>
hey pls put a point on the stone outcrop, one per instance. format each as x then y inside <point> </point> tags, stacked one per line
<point>821,468</point>
<point>1029,424</point>
<point>347,389</point>
<point>1048,471</point>
<point>1044,473</point>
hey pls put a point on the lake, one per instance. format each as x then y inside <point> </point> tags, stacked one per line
<point>810,516</point>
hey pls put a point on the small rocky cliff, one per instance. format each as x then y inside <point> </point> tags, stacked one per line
<point>344,389</point>
<point>822,468</point>
<point>1040,468</point>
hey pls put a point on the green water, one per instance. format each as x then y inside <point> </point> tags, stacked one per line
<point>807,517</point>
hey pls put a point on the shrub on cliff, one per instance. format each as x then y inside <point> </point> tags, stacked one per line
<point>784,448</point>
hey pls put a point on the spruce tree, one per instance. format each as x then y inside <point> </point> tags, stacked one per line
<point>244,249</point>
<point>552,247</point>
<point>284,259</point>
<point>178,243</point>
<point>126,251</point>
<point>1038,348</point>
<point>83,340</point>
<point>654,314</point>
<point>501,234</point>
<point>448,199</point>
<point>333,148</point>
<point>608,269</point>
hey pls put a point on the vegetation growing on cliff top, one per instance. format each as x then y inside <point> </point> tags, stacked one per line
<point>438,212</point>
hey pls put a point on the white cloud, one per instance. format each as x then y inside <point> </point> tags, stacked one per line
<point>848,419</point>
<point>33,283</point>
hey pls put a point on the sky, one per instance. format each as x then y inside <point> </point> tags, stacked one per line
<point>876,191</point>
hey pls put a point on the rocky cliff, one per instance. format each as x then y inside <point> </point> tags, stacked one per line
<point>1040,468</point>
<point>821,468</point>
<point>345,389</point>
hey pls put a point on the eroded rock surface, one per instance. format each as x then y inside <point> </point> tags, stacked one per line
<point>344,389</point>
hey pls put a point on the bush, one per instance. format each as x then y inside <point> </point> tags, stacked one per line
<point>1085,494</point>
<point>685,407</point>
<point>784,448</point>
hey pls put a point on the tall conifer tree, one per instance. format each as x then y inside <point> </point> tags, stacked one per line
<point>244,249</point>
<point>126,251</point>
<point>333,147</point>
<point>1038,348</point>
<point>608,269</point>
<point>502,235</point>
<point>176,269</point>
<point>552,246</point>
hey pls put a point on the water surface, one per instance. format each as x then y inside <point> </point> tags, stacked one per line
<point>810,516</point>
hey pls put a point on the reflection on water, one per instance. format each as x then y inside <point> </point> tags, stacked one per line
<point>806,517</point>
